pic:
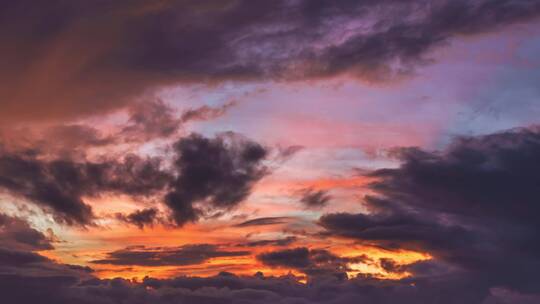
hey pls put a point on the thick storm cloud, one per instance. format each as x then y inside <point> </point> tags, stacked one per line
<point>83,58</point>
<point>218,173</point>
<point>472,206</point>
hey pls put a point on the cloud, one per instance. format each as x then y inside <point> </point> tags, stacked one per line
<point>16,233</point>
<point>95,57</point>
<point>263,221</point>
<point>41,280</point>
<point>19,243</point>
<point>472,206</point>
<point>216,173</point>
<point>313,262</point>
<point>140,218</point>
<point>60,185</point>
<point>154,119</point>
<point>206,113</point>
<point>277,242</point>
<point>167,256</point>
<point>312,198</point>
<point>147,120</point>
<point>70,140</point>
<point>150,119</point>
<point>390,265</point>
<point>208,174</point>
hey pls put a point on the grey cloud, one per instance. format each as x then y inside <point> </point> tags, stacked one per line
<point>59,185</point>
<point>140,218</point>
<point>167,256</point>
<point>472,206</point>
<point>16,234</point>
<point>314,199</point>
<point>263,221</point>
<point>84,58</point>
<point>215,172</point>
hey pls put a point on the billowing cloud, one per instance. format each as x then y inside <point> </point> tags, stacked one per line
<point>207,174</point>
<point>472,206</point>
<point>167,256</point>
<point>217,173</point>
<point>94,57</point>
<point>37,279</point>
<point>60,185</point>
<point>140,218</point>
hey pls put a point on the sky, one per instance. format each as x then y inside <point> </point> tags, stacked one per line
<point>287,151</point>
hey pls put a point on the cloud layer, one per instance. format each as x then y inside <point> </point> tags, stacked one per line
<point>208,174</point>
<point>84,58</point>
<point>472,206</point>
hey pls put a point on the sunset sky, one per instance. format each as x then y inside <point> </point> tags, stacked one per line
<point>270,151</point>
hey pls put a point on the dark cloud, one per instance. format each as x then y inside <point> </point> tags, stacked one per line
<point>140,218</point>
<point>16,234</point>
<point>167,256</point>
<point>19,260</point>
<point>390,265</point>
<point>263,221</point>
<point>208,175</point>
<point>263,243</point>
<point>60,185</point>
<point>83,58</point>
<point>312,198</point>
<point>472,206</point>
<point>215,173</point>
<point>292,258</point>
<point>71,286</point>
<point>313,262</point>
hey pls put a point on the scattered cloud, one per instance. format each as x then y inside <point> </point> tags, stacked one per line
<point>167,256</point>
<point>263,221</point>
<point>313,199</point>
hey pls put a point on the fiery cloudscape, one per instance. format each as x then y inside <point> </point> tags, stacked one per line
<point>279,151</point>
